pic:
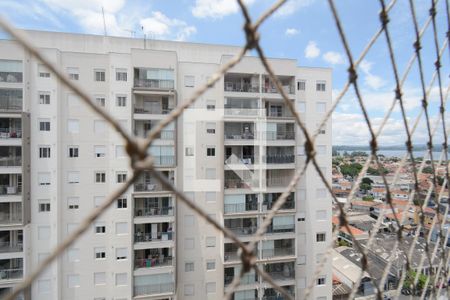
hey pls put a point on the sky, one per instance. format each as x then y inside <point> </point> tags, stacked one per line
<point>301,29</point>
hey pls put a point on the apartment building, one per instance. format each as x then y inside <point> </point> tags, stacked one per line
<point>233,152</point>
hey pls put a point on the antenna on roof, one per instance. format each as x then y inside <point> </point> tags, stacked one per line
<point>104,22</point>
<point>145,37</point>
<point>132,32</point>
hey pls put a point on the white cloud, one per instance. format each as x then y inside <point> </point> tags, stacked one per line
<point>292,6</point>
<point>311,50</point>
<point>291,31</point>
<point>333,58</point>
<point>370,80</point>
<point>161,26</point>
<point>216,9</point>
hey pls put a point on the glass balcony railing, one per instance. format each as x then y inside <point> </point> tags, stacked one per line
<point>243,230</point>
<point>279,135</point>
<point>10,190</point>
<point>153,262</point>
<point>240,183</point>
<point>163,84</point>
<point>241,207</point>
<point>153,211</point>
<point>279,159</point>
<point>11,77</point>
<point>10,274</point>
<point>269,253</point>
<point>151,289</point>
<point>236,86</point>
<point>145,237</point>
<point>10,161</point>
<point>10,133</point>
<point>6,247</point>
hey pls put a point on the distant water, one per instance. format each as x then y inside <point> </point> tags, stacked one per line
<point>401,153</point>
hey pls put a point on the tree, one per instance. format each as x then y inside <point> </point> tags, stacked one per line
<point>367,180</point>
<point>427,170</point>
<point>365,187</point>
<point>368,198</point>
<point>352,169</point>
<point>376,172</point>
<point>409,280</point>
<point>359,153</point>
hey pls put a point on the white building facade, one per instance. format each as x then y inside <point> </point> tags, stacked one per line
<point>233,152</point>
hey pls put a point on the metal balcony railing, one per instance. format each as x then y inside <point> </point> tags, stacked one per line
<point>10,133</point>
<point>237,208</point>
<point>153,211</point>
<point>10,161</point>
<point>163,84</point>
<point>230,86</point>
<point>242,135</point>
<point>10,190</point>
<point>279,159</point>
<point>11,77</point>
<point>152,262</point>
<point>153,111</point>
<point>269,253</point>
<point>246,160</point>
<point>10,104</point>
<point>6,247</point>
<point>8,274</point>
<point>145,237</point>
<point>151,289</point>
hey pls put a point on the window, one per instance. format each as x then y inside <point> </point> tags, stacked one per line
<point>121,253</point>
<point>210,105</point>
<point>44,205</point>
<point>301,85</point>
<point>44,125</point>
<point>189,290</point>
<point>121,177</point>
<point>98,200</point>
<point>321,237</point>
<point>121,101</point>
<point>121,74</point>
<point>121,279</point>
<point>321,280</point>
<point>99,126</point>
<point>100,228</point>
<point>73,151</point>
<point>189,81</point>
<point>100,151</point>
<point>73,177</point>
<point>73,73</point>
<point>189,243</point>
<point>44,98</point>
<point>121,228</point>
<point>44,178</point>
<point>44,152</point>
<point>210,173</point>
<point>99,278</point>
<point>320,86</point>
<point>99,75</point>
<point>321,107</point>
<point>120,151</point>
<point>122,203</point>
<point>211,242</point>
<point>73,281</point>
<point>321,215</point>
<point>301,106</point>
<point>100,177</point>
<point>321,130</point>
<point>100,101</point>
<point>301,260</point>
<point>321,193</point>
<point>301,216</point>
<point>43,72</point>
<point>73,254</point>
<point>189,151</point>
<point>211,151</point>
<point>43,233</point>
<point>211,128</point>
<point>73,126</point>
<point>44,286</point>
<point>210,196</point>
<point>100,253</point>
<point>210,265</point>
<point>210,287</point>
<point>73,202</point>
<point>189,267</point>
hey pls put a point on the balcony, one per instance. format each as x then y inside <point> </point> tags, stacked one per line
<point>278,110</point>
<point>11,71</point>
<point>239,131</point>
<point>153,104</point>
<point>147,183</point>
<point>277,248</point>
<point>240,155</point>
<point>278,178</point>
<point>272,294</point>
<point>241,179</point>
<point>240,203</point>
<point>279,131</point>
<point>231,252</point>
<point>153,284</point>
<point>287,83</point>
<point>163,156</point>
<point>241,107</point>
<point>154,79</point>
<point>11,100</point>
<point>241,83</point>
<point>143,127</point>
<point>271,198</point>
<point>281,271</point>
<point>153,258</point>
<point>281,224</point>
<point>245,295</point>
<point>242,226</point>
<point>248,278</point>
<point>10,128</point>
<point>10,213</point>
<point>11,241</point>
<point>11,269</point>
<point>154,206</point>
<point>279,159</point>
<point>154,232</point>
<point>10,156</point>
